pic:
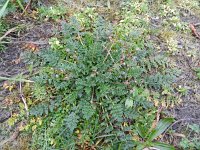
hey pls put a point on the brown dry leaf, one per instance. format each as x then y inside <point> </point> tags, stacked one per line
<point>154,124</point>
<point>163,103</point>
<point>156,102</point>
<point>5,85</point>
<point>31,47</point>
<point>178,135</point>
<point>79,136</point>
<point>16,61</point>
<point>8,86</point>
<point>194,31</point>
<point>98,142</point>
<point>125,124</point>
<point>135,138</point>
<point>8,101</point>
<point>34,14</point>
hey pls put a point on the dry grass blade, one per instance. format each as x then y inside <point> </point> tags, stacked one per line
<point>23,99</point>
<point>24,10</point>
<point>15,79</point>
<point>8,32</point>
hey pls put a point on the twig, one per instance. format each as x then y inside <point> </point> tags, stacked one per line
<point>6,118</point>
<point>109,54</point>
<point>15,79</point>
<point>197,24</point>
<point>29,3</point>
<point>8,32</point>
<point>194,31</point>
<point>23,99</point>
<point>37,43</point>
<point>180,120</point>
<point>155,122</point>
<point>158,114</point>
<point>151,148</point>
<point>12,137</point>
<point>107,135</point>
<point>79,37</point>
<point>186,119</point>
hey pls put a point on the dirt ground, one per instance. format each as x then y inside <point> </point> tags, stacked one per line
<point>187,60</point>
<point>11,65</point>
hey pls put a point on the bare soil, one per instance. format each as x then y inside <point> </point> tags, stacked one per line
<point>11,65</point>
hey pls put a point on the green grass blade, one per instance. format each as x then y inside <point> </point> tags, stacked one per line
<point>160,128</point>
<point>20,5</point>
<point>2,10</point>
<point>163,146</point>
<point>141,131</point>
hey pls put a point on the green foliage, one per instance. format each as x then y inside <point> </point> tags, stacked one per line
<point>191,141</point>
<point>3,9</point>
<point>198,72</point>
<point>71,121</point>
<point>94,84</point>
<point>160,128</point>
<point>9,6</point>
<point>3,28</point>
<point>102,88</point>
<point>54,12</point>
<point>150,135</point>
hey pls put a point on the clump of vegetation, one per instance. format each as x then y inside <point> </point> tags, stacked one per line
<point>54,12</point>
<point>96,86</point>
<point>3,28</point>
<point>7,6</point>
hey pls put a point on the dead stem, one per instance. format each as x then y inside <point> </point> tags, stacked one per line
<point>23,99</point>
<point>8,32</point>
